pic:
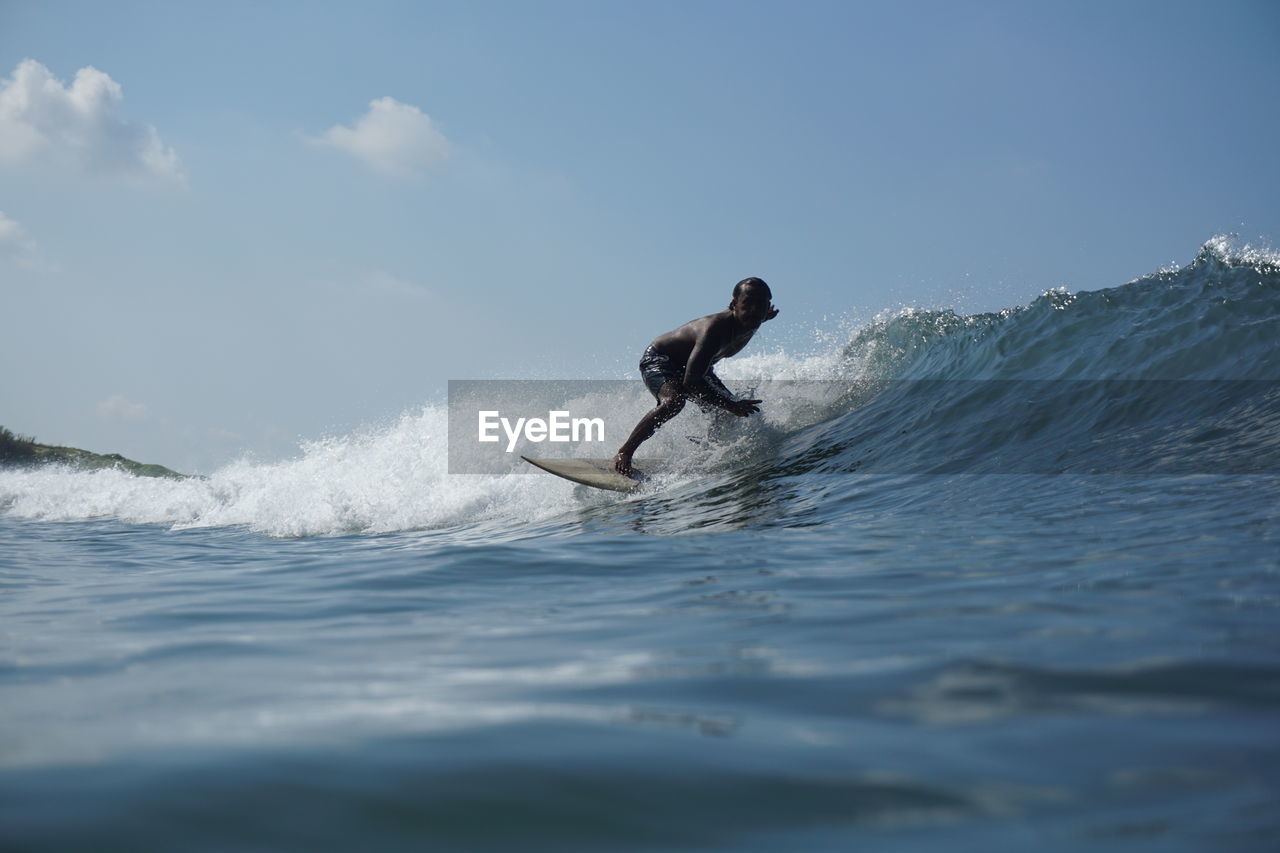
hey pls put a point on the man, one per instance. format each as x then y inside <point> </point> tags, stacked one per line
<point>678,365</point>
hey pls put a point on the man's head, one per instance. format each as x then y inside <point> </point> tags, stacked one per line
<point>752,300</point>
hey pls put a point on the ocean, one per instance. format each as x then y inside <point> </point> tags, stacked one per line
<point>996,581</point>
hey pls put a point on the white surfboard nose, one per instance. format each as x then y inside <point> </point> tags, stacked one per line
<point>598,473</point>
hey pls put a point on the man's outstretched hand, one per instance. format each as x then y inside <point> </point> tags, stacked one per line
<point>742,408</point>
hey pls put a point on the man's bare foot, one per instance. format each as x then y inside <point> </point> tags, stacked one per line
<point>622,464</point>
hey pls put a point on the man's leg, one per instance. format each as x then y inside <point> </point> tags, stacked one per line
<point>670,401</point>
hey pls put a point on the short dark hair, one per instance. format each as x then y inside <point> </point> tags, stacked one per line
<point>750,282</point>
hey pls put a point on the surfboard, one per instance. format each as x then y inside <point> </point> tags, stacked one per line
<point>597,473</point>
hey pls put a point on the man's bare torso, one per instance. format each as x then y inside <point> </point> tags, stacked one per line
<point>722,336</point>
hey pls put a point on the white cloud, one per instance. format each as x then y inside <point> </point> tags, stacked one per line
<point>15,245</point>
<point>78,126</point>
<point>394,138</point>
<point>117,406</point>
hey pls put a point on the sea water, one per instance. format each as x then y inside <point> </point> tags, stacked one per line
<point>1019,587</point>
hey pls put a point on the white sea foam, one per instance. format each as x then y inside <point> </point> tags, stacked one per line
<point>376,480</point>
<point>396,477</point>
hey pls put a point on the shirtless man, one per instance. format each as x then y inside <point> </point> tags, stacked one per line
<point>677,365</point>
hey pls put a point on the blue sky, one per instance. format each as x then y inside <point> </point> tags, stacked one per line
<point>256,223</point>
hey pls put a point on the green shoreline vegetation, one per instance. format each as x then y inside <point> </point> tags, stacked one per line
<point>17,451</point>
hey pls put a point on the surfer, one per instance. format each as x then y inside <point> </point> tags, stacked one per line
<point>678,365</point>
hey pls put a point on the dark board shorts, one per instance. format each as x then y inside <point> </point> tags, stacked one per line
<point>657,370</point>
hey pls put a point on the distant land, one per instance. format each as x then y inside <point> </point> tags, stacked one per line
<point>18,451</point>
